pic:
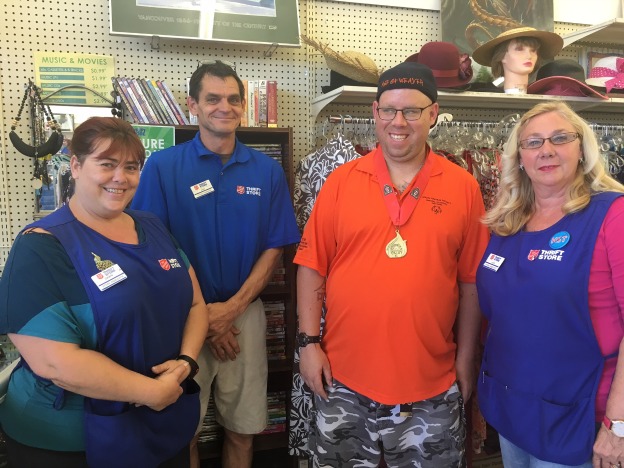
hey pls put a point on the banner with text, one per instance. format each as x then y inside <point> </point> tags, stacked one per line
<point>155,137</point>
<point>250,21</point>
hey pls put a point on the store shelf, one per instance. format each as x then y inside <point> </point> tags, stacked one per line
<point>364,95</point>
<point>609,32</point>
<point>360,95</point>
<point>262,442</point>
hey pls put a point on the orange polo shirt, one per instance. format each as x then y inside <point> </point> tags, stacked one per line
<point>388,332</point>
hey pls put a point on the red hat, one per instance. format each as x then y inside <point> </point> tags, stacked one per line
<point>562,77</point>
<point>450,69</point>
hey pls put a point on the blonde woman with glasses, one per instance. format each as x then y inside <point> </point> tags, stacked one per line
<point>551,285</point>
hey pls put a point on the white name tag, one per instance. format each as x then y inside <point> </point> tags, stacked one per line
<point>109,277</point>
<point>201,189</point>
<point>493,262</point>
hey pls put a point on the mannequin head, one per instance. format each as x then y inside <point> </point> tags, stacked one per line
<point>513,54</point>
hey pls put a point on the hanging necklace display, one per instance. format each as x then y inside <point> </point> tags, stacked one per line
<point>53,143</point>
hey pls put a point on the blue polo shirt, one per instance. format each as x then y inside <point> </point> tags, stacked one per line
<point>223,216</point>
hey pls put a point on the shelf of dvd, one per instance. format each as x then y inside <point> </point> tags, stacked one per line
<point>279,301</point>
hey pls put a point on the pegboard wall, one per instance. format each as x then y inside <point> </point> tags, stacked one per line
<point>386,34</point>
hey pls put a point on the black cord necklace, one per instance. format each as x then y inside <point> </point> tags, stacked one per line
<point>53,144</point>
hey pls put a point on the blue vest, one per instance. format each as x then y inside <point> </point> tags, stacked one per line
<point>140,323</point>
<point>542,363</point>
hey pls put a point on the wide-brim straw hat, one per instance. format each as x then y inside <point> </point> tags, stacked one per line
<point>352,64</point>
<point>551,44</point>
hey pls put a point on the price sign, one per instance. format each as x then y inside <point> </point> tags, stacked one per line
<point>54,71</point>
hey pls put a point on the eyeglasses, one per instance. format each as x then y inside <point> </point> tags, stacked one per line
<point>558,139</point>
<point>212,62</point>
<point>410,114</point>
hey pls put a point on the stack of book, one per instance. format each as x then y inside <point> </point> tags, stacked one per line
<point>211,430</point>
<point>261,97</point>
<point>149,101</point>
<point>279,274</point>
<point>274,150</point>
<point>277,412</point>
<point>276,402</point>
<point>276,330</point>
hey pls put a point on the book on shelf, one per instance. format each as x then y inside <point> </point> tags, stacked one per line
<point>170,113</point>
<point>276,402</point>
<point>172,104</point>
<point>270,306</point>
<point>180,115</point>
<point>125,99</point>
<point>245,116</point>
<point>151,102</point>
<point>256,114</point>
<point>159,102</point>
<point>262,103</point>
<point>251,103</point>
<point>135,100</point>
<point>138,91</point>
<point>271,103</point>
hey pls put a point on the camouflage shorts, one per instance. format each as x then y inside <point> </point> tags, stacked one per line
<point>351,430</point>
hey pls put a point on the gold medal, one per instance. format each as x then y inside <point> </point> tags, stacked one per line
<point>397,247</point>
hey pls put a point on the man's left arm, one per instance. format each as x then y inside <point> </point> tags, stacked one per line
<point>222,333</point>
<point>468,326</point>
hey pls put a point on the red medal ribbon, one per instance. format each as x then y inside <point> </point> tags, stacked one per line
<point>400,212</point>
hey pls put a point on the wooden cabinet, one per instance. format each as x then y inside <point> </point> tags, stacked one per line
<point>280,370</point>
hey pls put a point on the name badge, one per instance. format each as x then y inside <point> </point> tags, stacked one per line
<point>109,277</point>
<point>493,262</point>
<point>201,189</point>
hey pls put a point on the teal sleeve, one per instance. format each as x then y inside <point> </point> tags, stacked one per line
<point>41,294</point>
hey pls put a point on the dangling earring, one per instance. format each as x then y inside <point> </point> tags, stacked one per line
<point>581,160</point>
<point>521,167</point>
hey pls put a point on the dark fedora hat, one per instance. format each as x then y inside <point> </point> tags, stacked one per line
<point>562,77</point>
<point>450,68</point>
<point>336,80</point>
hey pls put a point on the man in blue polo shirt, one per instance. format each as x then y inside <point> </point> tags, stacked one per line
<point>229,208</point>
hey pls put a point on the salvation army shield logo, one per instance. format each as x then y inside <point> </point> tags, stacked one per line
<point>164,264</point>
<point>240,189</point>
<point>533,254</point>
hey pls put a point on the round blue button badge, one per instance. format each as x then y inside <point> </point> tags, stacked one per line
<point>559,240</point>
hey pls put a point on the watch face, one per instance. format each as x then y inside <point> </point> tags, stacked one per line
<point>617,427</point>
<point>305,340</point>
<point>302,339</point>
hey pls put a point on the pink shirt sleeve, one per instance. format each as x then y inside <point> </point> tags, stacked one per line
<point>606,295</point>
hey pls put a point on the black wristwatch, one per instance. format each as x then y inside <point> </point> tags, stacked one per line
<point>192,364</point>
<point>305,340</point>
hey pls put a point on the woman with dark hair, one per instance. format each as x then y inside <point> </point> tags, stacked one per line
<point>108,318</point>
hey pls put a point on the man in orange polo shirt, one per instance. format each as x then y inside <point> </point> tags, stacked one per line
<point>392,247</point>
